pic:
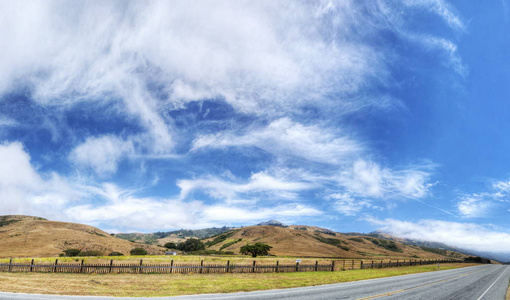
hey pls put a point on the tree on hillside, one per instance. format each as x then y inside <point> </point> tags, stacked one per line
<point>170,245</point>
<point>138,251</point>
<point>72,252</point>
<point>256,249</point>
<point>191,245</point>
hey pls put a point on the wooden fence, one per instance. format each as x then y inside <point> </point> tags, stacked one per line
<point>200,268</point>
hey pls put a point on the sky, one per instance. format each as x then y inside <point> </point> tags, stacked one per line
<point>350,115</point>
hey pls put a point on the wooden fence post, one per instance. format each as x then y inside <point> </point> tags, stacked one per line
<point>228,266</point>
<point>140,268</point>
<point>343,265</point>
<point>111,265</point>
<point>277,265</point>
<point>201,266</point>
<point>171,266</point>
<point>297,266</point>
<point>81,266</point>
<point>31,265</point>
<point>253,268</point>
<point>372,266</point>
<point>381,265</point>
<point>316,265</point>
<point>361,265</point>
<point>352,266</point>
<point>10,266</point>
<point>56,264</point>
<point>332,265</point>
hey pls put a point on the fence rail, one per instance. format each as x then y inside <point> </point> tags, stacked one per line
<point>184,268</point>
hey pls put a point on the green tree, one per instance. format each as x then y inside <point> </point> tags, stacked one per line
<point>138,251</point>
<point>170,245</point>
<point>256,249</point>
<point>191,245</point>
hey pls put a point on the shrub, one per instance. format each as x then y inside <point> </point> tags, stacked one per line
<point>138,251</point>
<point>91,253</point>
<point>115,254</point>
<point>191,245</point>
<point>226,245</point>
<point>71,252</point>
<point>170,246</point>
<point>356,240</point>
<point>477,259</point>
<point>220,238</point>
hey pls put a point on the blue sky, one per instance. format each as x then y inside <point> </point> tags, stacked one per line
<point>351,115</point>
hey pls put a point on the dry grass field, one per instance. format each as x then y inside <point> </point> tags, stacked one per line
<point>148,285</point>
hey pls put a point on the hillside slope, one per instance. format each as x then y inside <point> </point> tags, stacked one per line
<point>25,236</point>
<point>313,241</point>
<point>176,236</point>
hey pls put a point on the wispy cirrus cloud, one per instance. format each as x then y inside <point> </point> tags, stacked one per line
<point>369,179</point>
<point>480,204</point>
<point>258,183</point>
<point>285,138</point>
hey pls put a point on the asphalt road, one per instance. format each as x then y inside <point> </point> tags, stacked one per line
<point>480,282</point>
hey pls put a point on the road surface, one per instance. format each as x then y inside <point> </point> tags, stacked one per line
<point>477,283</point>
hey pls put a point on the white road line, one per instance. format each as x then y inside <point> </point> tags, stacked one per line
<point>506,269</point>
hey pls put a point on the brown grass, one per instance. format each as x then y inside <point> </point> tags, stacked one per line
<point>33,237</point>
<point>185,284</point>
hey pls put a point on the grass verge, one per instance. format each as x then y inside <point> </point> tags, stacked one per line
<point>148,285</point>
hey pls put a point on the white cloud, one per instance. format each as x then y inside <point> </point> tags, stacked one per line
<point>442,9</point>
<point>259,60</point>
<point>347,205</point>
<point>480,204</point>
<point>102,154</point>
<point>258,183</point>
<point>284,137</point>
<point>369,179</point>
<point>24,191</point>
<point>121,208</point>
<point>448,48</point>
<point>462,235</point>
<point>149,58</point>
<point>474,206</point>
<point>7,122</point>
<point>243,215</point>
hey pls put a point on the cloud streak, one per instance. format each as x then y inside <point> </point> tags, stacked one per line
<point>463,235</point>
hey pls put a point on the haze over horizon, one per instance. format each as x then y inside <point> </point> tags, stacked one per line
<point>349,115</point>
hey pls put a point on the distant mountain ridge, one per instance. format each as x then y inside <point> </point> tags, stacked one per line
<point>272,223</point>
<point>162,237</point>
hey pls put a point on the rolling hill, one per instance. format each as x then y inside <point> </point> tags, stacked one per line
<point>301,240</point>
<point>25,236</point>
